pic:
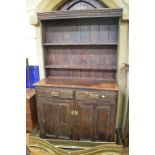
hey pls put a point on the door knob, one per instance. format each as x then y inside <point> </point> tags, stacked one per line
<point>76,113</point>
<point>103,96</point>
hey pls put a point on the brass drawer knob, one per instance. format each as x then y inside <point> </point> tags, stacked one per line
<point>103,96</point>
<point>55,93</point>
<point>93,96</point>
<point>76,113</point>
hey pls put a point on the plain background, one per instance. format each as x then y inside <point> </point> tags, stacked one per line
<point>13,78</point>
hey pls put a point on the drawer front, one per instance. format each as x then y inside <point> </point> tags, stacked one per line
<point>96,96</point>
<point>55,93</point>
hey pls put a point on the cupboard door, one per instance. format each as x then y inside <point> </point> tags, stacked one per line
<point>104,122</point>
<point>57,119</point>
<point>96,121</point>
<point>85,112</point>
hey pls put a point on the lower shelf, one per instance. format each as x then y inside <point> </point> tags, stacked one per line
<point>80,67</point>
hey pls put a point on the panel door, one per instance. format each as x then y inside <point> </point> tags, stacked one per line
<point>96,121</point>
<point>57,119</point>
<point>85,120</point>
<point>104,122</point>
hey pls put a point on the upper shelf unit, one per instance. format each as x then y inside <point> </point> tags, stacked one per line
<point>96,31</point>
<point>81,43</point>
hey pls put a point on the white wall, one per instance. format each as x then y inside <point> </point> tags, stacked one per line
<point>30,33</point>
<point>30,48</point>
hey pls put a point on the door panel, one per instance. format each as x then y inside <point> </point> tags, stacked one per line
<point>102,121</point>
<point>51,119</point>
<point>96,121</point>
<point>64,120</point>
<point>85,121</point>
<point>57,119</point>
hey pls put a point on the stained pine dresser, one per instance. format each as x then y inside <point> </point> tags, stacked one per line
<point>77,100</point>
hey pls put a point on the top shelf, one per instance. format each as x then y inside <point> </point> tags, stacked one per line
<point>70,14</point>
<point>77,44</point>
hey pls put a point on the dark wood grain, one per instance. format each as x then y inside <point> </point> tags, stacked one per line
<point>102,120</point>
<point>85,121</point>
<point>81,48</point>
<point>80,31</point>
<point>81,67</point>
<point>81,44</point>
<point>56,125</point>
<point>31,111</point>
<point>71,61</point>
<point>106,12</point>
<point>78,98</point>
<point>79,114</point>
<point>78,83</point>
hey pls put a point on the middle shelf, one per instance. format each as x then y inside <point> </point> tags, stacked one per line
<point>80,67</point>
<point>80,44</point>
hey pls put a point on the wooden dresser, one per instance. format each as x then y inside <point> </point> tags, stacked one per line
<point>78,98</point>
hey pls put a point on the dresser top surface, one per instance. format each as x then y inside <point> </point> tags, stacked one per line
<point>77,83</point>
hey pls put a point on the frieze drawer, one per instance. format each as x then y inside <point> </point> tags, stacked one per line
<point>96,96</point>
<point>55,93</point>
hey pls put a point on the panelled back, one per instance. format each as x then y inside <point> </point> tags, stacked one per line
<point>81,48</point>
<point>94,30</point>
